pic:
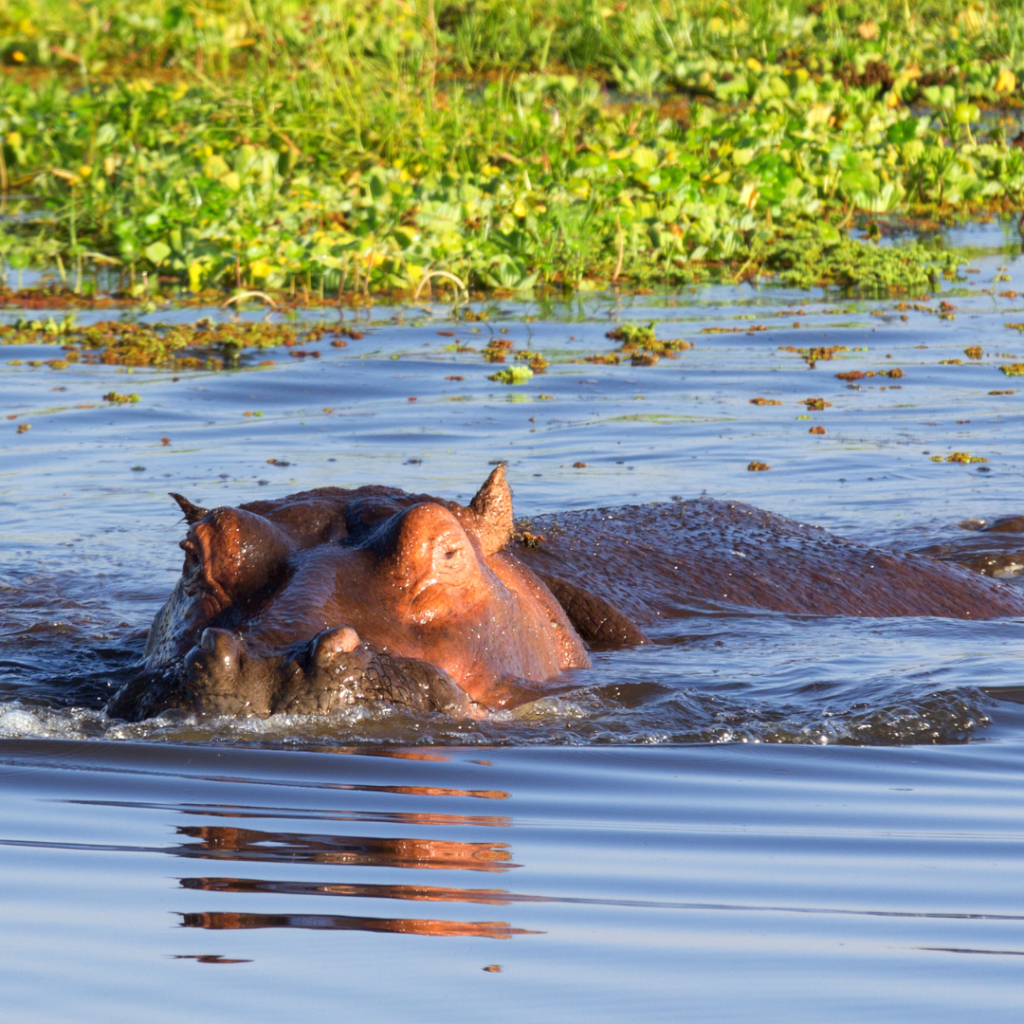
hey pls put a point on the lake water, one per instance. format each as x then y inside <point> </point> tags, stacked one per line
<point>755,817</point>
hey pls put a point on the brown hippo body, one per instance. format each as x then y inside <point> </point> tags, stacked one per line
<point>332,597</point>
<point>700,555</point>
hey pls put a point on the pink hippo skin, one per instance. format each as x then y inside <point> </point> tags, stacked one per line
<point>331,597</point>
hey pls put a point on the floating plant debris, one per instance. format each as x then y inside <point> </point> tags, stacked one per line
<point>851,375</point>
<point>512,375</point>
<point>641,345</point>
<point>637,335</point>
<point>812,355</point>
<point>962,457</point>
<point>203,345</point>
<point>752,329</point>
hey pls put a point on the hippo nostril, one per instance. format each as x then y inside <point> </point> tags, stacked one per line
<point>221,643</point>
<point>216,665</point>
<point>332,642</point>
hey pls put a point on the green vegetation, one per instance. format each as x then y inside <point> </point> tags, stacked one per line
<point>640,343</point>
<point>350,147</point>
<point>513,375</point>
<point>964,458</point>
<point>202,345</point>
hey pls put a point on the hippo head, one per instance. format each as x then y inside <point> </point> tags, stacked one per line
<point>335,596</point>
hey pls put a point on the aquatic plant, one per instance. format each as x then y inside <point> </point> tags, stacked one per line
<point>347,148</point>
<point>203,345</point>
<point>513,375</point>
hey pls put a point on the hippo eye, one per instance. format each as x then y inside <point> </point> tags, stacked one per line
<point>451,554</point>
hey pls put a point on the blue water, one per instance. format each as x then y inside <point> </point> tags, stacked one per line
<point>723,883</point>
<point>756,817</point>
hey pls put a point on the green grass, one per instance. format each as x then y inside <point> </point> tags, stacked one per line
<point>352,147</point>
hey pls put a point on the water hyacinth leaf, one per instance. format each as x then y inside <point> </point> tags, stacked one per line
<point>829,234</point>
<point>902,131</point>
<point>157,252</point>
<point>965,113</point>
<point>883,201</point>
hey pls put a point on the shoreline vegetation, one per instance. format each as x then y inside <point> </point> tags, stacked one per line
<point>350,149</point>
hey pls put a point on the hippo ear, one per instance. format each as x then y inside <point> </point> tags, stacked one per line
<point>492,512</point>
<point>192,513</point>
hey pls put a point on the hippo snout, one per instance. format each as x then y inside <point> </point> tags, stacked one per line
<point>332,670</point>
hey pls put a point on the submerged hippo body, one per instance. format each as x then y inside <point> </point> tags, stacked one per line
<point>333,597</point>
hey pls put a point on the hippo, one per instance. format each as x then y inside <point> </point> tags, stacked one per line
<point>334,596</point>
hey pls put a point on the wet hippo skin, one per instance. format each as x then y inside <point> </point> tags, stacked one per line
<point>651,560</point>
<point>332,597</point>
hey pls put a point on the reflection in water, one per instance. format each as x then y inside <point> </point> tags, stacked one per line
<point>221,843</point>
<point>649,880</point>
<point>355,787</point>
<point>306,814</point>
<point>983,952</point>
<point>224,920</point>
<point>480,794</point>
<point>209,958</point>
<point>401,754</point>
<point>427,893</point>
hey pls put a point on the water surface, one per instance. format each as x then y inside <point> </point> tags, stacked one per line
<point>755,816</point>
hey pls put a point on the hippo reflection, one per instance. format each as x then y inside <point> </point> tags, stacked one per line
<point>333,597</point>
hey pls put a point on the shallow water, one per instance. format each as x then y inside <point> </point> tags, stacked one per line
<point>809,816</point>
